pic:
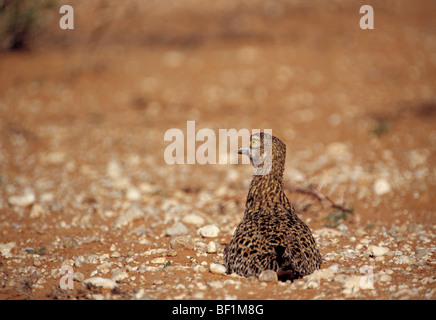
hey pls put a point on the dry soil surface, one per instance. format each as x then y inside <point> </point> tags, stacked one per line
<point>84,187</point>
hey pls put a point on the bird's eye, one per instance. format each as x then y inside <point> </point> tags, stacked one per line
<point>254,142</point>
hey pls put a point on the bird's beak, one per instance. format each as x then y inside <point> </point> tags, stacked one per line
<point>244,150</point>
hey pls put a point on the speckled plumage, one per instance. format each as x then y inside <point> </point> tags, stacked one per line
<point>270,236</point>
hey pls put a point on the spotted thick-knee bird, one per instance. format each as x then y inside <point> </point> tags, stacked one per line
<point>270,235</point>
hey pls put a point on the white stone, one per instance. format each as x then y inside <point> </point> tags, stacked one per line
<point>217,268</point>
<point>176,229</point>
<point>268,276</point>
<point>128,215</point>
<point>327,232</point>
<point>160,260</point>
<point>211,247</point>
<point>23,200</point>
<point>119,275</point>
<point>209,231</point>
<point>193,219</point>
<point>339,151</point>
<point>133,194</point>
<point>403,259</point>
<point>101,282</point>
<point>37,211</point>
<point>114,169</point>
<point>46,197</point>
<point>381,186</point>
<point>5,248</point>
<point>78,276</point>
<point>182,242</point>
<point>352,285</point>
<point>383,277</point>
<point>378,251</point>
<point>313,284</point>
<point>321,274</point>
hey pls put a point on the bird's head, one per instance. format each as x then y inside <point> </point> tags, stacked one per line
<point>264,151</point>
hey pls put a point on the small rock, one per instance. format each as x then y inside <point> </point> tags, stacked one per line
<point>119,275</point>
<point>114,169</point>
<point>268,276</point>
<point>327,232</point>
<point>217,268</point>
<point>159,260</point>
<point>403,259</point>
<point>193,219</point>
<point>312,284</point>
<point>180,242</point>
<point>78,262</point>
<point>327,274</point>
<point>211,247</point>
<point>378,251</point>
<point>78,276</point>
<point>70,243</point>
<point>101,283</point>
<point>128,215</point>
<point>37,211</point>
<point>199,268</point>
<point>115,254</point>
<point>383,277</point>
<point>352,285</point>
<point>24,200</point>
<point>5,249</point>
<point>176,229</point>
<point>46,197</point>
<point>209,231</point>
<point>382,186</point>
<point>133,194</point>
<point>339,151</point>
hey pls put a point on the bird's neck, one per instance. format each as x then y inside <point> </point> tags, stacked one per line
<point>266,191</point>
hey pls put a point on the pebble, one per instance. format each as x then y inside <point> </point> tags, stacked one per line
<point>403,259</point>
<point>193,219</point>
<point>101,283</point>
<point>114,169</point>
<point>327,274</point>
<point>217,268</point>
<point>37,211</point>
<point>181,242</point>
<point>312,284</point>
<point>381,186</point>
<point>133,194</point>
<point>119,275</point>
<point>70,243</point>
<point>268,276</point>
<point>159,260</point>
<point>78,276</point>
<point>383,277</point>
<point>127,216</point>
<point>352,285</point>
<point>176,229</point>
<point>211,247</point>
<point>327,232</point>
<point>24,200</point>
<point>209,231</point>
<point>378,251</point>
<point>5,249</point>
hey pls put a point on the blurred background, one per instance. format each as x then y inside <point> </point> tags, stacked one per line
<point>83,114</point>
<point>355,107</point>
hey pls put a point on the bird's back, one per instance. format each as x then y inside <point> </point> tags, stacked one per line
<point>272,239</point>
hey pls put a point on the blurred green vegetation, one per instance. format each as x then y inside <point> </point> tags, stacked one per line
<point>20,20</point>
